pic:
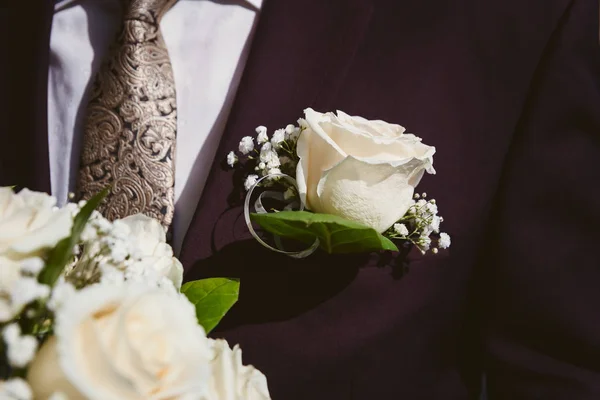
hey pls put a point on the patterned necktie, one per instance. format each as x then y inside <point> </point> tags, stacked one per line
<point>131,122</point>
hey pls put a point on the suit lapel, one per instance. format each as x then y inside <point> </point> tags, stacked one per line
<point>300,53</point>
<point>23,107</point>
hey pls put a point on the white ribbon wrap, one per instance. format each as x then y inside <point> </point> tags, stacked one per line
<point>260,209</point>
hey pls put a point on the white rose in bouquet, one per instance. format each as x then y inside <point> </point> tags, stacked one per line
<point>361,170</point>
<point>29,222</point>
<point>124,342</point>
<point>151,248</point>
<point>231,380</point>
<point>30,225</point>
<point>132,341</point>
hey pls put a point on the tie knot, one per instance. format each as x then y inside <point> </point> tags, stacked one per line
<point>150,11</point>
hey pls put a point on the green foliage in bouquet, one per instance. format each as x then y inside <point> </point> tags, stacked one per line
<point>62,254</point>
<point>213,298</point>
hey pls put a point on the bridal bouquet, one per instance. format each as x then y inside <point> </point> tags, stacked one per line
<point>341,183</point>
<point>95,309</point>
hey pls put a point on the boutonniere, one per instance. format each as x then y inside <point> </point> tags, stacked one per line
<point>341,183</point>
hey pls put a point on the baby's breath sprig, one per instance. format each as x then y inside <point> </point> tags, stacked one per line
<point>270,156</point>
<point>418,224</point>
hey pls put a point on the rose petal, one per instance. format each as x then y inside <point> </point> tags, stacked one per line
<point>43,380</point>
<point>149,238</point>
<point>373,127</point>
<point>55,228</point>
<point>392,149</point>
<point>231,379</point>
<point>10,271</point>
<point>317,152</point>
<point>146,231</point>
<point>373,194</point>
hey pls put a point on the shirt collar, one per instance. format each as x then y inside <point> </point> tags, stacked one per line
<point>254,3</point>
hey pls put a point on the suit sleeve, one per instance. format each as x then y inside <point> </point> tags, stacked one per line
<point>541,265</point>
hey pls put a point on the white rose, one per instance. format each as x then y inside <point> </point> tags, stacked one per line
<point>29,222</point>
<point>361,170</point>
<point>150,247</point>
<point>124,342</point>
<point>29,226</point>
<point>231,380</point>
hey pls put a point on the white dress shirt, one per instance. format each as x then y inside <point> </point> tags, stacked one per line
<point>208,42</point>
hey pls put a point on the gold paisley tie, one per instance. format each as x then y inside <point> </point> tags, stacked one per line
<point>131,123</point>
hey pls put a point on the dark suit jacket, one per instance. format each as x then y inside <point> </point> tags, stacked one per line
<point>509,93</point>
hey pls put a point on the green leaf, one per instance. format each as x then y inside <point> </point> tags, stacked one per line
<point>335,234</point>
<point>213,298</point>
<point>63,252</point>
